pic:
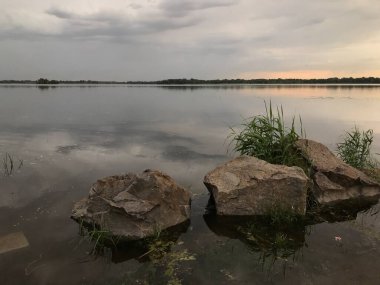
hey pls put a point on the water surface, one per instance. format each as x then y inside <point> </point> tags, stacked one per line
<point>69,136</point>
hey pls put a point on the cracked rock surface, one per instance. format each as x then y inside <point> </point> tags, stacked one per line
<point>247,185</point>
<point>134,206</point>
<point>334,180</point>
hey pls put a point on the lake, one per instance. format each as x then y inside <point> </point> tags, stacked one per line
<point>63,138</point>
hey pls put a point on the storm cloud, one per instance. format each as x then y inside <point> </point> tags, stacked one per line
<point>153,39</point>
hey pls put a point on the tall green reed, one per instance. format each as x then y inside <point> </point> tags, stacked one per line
<point>268,137</point>
<point>355,149</point>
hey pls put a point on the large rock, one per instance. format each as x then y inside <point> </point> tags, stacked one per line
<point>334,180</point>
<point>135,206</point>
<point>249,186</point>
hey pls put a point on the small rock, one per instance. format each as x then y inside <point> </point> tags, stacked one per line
<point>249,186</point>
<point>13,241</point>
<point>135,206</point>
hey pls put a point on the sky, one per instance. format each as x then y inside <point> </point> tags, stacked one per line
<point>205,39</point>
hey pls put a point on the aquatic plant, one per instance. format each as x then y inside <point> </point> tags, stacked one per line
<point>267,137</point>
<point>280,240</point>
<point>355,149</point>
<point>9,164</point>
<point>275,244</point>
<point>100,237</point>
<point>157,248</point>
<point>280,216</point>
<point>168,269</point>
<point>165,261</point>
<point>172,262</point>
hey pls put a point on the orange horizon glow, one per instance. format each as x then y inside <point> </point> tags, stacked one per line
<point>307,74</point>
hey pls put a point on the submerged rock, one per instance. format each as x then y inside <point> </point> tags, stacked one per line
<point>334,180</point>
<point>250,186</point>
<point>13,241</point>
<point>134,206</point>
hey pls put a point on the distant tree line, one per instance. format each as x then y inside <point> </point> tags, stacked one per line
<point>46,81</point>
<point>91,82</point>
<point>43,81</point>
<point>192,81</point>
<point>333,80</point>
<point>17,82</point>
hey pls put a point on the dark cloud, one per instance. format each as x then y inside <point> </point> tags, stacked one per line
<point>60,13</point>
<point>115,25</point>
<point>67,149</point>
<point>184,7</point>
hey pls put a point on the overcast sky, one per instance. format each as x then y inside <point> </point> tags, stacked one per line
<point>158,39</point>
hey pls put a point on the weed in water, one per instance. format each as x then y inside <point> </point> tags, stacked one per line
<point>280,241</point>
<point>279,216</point>
<point>168,269</point>
<point>9,164</point>
<point>159,244</point>
<point>267,137</point>
<point>355,149</point>
<point>160,254</point>
<point>173,261</point>
<point>102,238</point>
<point>158,249</point>
<point>272,243</point>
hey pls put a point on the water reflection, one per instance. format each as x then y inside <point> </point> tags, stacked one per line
<point>150,249</point>
<point>271,243</point>
<point>46,87</point>
<point>70,136</point>
<point>49,156</point>
<point>261,86</point>
<point>343,211</point>
<point>282,242</point>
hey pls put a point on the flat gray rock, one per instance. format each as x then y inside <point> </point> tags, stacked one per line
<point>249,186</point>
<point>334,180</point>
<point>134,206</point>
<point>12,242</point>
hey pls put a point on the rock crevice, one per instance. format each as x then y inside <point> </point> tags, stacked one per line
<point>134,206</point>
<point>334,180</point>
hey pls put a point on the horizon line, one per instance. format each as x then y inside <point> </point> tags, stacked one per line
<point>47,81</point>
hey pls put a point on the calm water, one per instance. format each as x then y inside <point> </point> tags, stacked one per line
<point>67,137</point>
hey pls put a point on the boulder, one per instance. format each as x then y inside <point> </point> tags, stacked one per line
<point>334,180</point>
<point>249,186</point>
<point>134,206</point>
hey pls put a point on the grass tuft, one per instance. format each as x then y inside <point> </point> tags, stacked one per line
<point>355,149</point>
<point>100,237</point>
<point>274,243</point>
<point>268,138</point>
<point>10,165</point>
<point>280,216</point>
<point>162,256</point>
